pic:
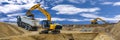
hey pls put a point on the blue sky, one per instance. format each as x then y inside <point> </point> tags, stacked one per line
<point>63,11</point>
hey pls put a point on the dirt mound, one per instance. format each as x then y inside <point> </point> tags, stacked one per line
<point>75,36</point>
<point>116,31</point>
<point>10,30</point>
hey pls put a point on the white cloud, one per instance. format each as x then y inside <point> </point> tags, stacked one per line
<point>74,20</point>
<point>9,8</point>
<point>77,1</point>
<point>70,9</point>
<point>13,19</point>
<point>117,17</point>
<point>107,3</point>
<point>3,19</point>
<point>8,19</point>
<point>89,15</point>
<point>111,3</point>
<point>116,4</point>
<point>15,14</point>
<point>112,20</point>
<point>54,2</point>
<point>18,1</point>
<point>92,2</point>
<point>66,9</point>
<point>53,19</point>
<point>58,1</point>
<point>27,6</point>
<point>12,8</point>
<point>65,19</point>
<point>60,19</point>
<point>18,5</point>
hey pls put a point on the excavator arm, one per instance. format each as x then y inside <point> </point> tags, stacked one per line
<point>37,6</point>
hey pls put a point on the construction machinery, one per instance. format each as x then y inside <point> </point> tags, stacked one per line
<point>96,19</point>
<point>46,24</point>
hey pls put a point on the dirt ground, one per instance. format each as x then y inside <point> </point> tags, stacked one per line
<point>10,30</point>
<point>13,32</point>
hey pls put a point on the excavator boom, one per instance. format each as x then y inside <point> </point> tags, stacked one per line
<point>37,6</point>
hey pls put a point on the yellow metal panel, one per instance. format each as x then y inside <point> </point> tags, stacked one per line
<point>52,26</point>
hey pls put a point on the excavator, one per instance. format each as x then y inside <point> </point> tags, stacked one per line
<point>47,25</point>
<point>96,19</point>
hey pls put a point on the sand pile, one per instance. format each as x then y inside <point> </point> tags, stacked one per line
<point>10,30</point>
<point>75,36</point>
<point>116,31</point>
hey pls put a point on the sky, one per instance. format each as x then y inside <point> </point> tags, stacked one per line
<point>63,11</point>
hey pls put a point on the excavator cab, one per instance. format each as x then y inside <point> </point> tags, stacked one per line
<point>18,20</point>
<point>94,21</point>
<point>49,26</point>
<point>45,23</point>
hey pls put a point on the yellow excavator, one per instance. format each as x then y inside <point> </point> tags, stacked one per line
<point>94,21</point>
<point>47,25</point>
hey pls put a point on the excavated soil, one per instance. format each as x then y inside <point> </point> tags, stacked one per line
<point>79,36</point>
<point>13,32</point>
<point>10,30</point>
<point>115,31</point>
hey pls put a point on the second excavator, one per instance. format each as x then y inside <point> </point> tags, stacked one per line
<point>47,25</point>
<point>94,21</point>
